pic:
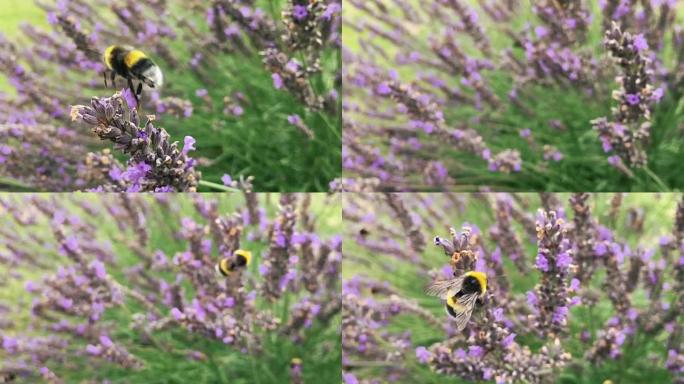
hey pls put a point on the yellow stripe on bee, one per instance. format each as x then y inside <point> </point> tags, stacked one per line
<point>133,57</point>
<point>453,304</point>
<point>108,56</point>
<point>223,265</point>
<point>244,253</point>
<point>481,278</point>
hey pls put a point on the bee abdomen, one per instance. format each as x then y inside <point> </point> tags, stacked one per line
<point>450,311</point>
<point>223,267</point>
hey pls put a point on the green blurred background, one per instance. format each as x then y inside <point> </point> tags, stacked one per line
<point>12,14</point>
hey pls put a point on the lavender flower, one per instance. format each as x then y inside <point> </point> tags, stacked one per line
<point>424,90</point>
<point>155,163</point>
<point>297,122</point>
<point>289,75</point>
<point>88,309</point>
<point>574,266</point>
<point>53,69</point>
<point>553,260</point>
<point>628,133</point>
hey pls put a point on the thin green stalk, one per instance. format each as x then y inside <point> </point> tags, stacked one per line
<point>14,183</point>
<point>330,125</point>
<point>217,186</point>
<point>255,374</point>
<point>217,370</point>
<point>656,179</point>
<point>321,114</point>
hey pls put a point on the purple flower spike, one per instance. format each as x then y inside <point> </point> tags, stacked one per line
<point>299,12</point>
<point>563,260</point>
<point>176,313</point>
<point>542,263</point>
<point>277,81</point>
<point>567,232</point>
<point>130,98</point>
<point>508,340</point>
<point>422,354</point>
<point>475,351</point>
<point>640,43</point>
<point>106,341</point>
<point>94,350</point>
<point>383,89</point>
<point>632,99</point>
<point>155,162</point>
<point>188,144</point>
<point>349,378</point>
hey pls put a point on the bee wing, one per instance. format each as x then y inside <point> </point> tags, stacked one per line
<point>441,288</point>
<point>463,310</point>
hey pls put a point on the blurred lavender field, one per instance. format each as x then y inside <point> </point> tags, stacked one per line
<point>251,89</point>
<point>461,95</point>
<point>582,288</point>
<point>122,289</point>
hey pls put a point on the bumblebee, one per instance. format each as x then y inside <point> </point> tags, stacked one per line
<point>296,361</point>
<point>240,259</point>
<point>461,295</point>
<point>132,64</point>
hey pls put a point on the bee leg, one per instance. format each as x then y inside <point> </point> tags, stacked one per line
<point>137,100</point>
<point>112,77</point>
<point>138,92</point>
<point>105,78</point>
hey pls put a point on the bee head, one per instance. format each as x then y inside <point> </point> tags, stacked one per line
<point>153,77</point>
<point>475,281</point>
<point>243,256</point>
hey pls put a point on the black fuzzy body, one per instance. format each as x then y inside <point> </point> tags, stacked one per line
<point>450,311</point>
<point>140,67</point>
<point>118,62</point>
<point>470,285</point>
<point>239,262</point>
